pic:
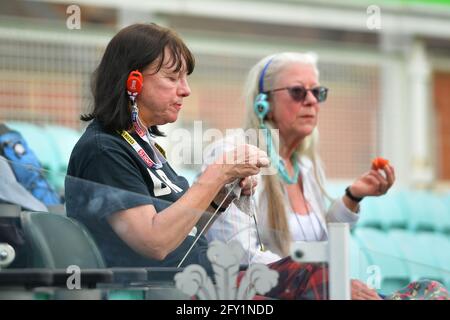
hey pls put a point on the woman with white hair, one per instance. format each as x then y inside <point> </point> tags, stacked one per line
<point>283,93</point>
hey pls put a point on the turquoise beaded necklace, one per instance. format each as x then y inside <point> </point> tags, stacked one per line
<point>280,165</point>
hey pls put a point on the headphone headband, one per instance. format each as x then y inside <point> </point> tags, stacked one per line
<point>261,77</point>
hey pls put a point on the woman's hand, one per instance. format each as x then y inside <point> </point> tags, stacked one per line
<point>241,162</point>
<point>373,183</point>
<point>360,291</point>
<point>248,185</point>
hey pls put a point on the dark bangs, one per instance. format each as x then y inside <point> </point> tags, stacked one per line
<point>132,48</point>
<point>179,53</point>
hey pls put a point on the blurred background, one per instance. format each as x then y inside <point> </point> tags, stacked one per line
<point>387,64</point>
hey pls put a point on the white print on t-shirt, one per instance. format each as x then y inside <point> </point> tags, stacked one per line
<point>193,232</point>
<point>158,188</point>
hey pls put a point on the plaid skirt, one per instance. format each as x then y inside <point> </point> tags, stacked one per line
<point>298,281</point>
<point>309,281</point>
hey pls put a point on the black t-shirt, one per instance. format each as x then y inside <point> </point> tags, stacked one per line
<point>106,175</point>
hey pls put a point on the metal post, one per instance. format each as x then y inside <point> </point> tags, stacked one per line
<point>339,261</point>
<point>336,252</point>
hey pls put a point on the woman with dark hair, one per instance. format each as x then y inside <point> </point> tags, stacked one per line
<point>119,184</point>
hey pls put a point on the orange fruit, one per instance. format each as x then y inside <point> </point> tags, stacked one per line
<point>379,163</point>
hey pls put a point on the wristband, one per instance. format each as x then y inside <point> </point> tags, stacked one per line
<point>352,197</point>
<point>215,206</point>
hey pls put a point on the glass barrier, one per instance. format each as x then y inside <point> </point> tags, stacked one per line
<point>398,275</point>
<point>71,251</point>
<point>75,253</point>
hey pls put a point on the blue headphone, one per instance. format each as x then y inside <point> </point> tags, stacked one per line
<point>261,105</point>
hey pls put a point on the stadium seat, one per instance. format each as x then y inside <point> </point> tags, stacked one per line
<point>358,261</point>
<point>383,257</point>
<point>370,213</point>
<point>445,223</point>
<point>63,139</point>
<point>439,212</point>
<point>439,246</point>
<point>57,242</point>
<point>392,214</point>
<point>382,212</point>
<point>41,145</point>
<point>427,211</point>
<point>418,256</point>
<point>420,217</point>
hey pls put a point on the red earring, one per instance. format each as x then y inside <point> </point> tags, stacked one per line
<point>134,83</point>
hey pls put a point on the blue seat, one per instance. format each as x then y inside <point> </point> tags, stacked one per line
<point>439,246</point>
<point>419,257</point>
<point>41,145</point>
<point>439,212</point>
<point>63,139</point>
<point>420,216</point>
<point>427,211</point>
<point>384,257</point>
<point>370,213</point>
<point>392,214</point>
<point>445,222</point>
<point>358,261</point>
<point>383,212</point>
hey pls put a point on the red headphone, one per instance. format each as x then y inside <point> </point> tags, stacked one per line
<point>134,83</point>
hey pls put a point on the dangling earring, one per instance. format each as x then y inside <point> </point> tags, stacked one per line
<point>134,87</point>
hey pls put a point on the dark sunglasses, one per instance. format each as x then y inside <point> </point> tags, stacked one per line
<point>298,93</point>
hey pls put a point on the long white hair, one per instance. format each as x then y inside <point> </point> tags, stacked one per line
<point>277,218</point>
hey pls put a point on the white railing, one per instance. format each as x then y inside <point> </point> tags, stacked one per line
<point>335,252</point>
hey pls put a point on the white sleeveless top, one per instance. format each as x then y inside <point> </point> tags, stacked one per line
<point>305,227</point>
